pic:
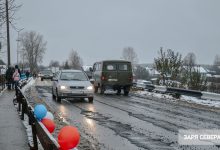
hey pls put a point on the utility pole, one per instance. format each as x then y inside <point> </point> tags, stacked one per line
<point>8,33</point>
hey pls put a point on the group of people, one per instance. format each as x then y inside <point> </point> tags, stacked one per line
<point>13,75</point>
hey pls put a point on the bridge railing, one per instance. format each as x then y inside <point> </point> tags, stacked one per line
<point>38,129</point>
<point>177,92</point>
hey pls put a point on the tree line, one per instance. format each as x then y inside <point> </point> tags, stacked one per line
<point>176,71</point>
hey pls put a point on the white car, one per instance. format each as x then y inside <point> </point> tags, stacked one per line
<point>72,84</point>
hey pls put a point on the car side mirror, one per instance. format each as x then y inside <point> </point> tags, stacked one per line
<point>92,81</point>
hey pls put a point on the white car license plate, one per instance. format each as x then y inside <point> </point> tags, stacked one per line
<point>77,92</point>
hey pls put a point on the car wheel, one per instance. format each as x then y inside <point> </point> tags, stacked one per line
<point>42,79</point>
<point>119,91</point>
<point>90,99</point>
<point>58,98</point>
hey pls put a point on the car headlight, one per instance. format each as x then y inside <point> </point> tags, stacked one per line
<point>62,87</point>
<point>89,88</point>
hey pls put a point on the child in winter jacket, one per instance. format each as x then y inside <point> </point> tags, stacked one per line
<point>16,77</point>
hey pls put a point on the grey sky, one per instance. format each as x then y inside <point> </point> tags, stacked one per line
<point>100,29</point>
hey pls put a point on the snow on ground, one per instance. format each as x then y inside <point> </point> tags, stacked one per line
<point>30,83</point>
<point>189,99</point>
<point>152,94</point>
<point>1,91</point>
<point>207,102</point>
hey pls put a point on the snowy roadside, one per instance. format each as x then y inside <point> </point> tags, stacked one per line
<point>189,99</point>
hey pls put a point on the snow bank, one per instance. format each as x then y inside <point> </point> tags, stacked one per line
<point>206,102</point>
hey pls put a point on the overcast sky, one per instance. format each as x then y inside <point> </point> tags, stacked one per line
<point>100,29</point>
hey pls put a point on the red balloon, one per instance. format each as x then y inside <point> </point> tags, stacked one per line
<point>68,137</point>
<point>49,124</point>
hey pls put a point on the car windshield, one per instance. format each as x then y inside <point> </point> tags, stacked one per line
<point>78,76</point>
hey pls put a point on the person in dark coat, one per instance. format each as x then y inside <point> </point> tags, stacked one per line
<point>27,74</point>
<point>9,77</point>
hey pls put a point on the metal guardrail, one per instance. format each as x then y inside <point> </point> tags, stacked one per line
<point>38,129</point>
<point>212,96</point>
<point>179,91</point>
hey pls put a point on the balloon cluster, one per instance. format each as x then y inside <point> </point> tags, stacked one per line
<point>46,117</point>
<point>68,137</point>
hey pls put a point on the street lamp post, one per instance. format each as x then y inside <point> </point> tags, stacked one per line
<point>18,40</point>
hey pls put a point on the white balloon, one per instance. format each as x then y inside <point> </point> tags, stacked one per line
<point>49,115</point>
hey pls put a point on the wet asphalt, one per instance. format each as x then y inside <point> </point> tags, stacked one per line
<point>117,122</point>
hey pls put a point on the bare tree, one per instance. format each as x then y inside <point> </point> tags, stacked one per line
<point>189,63</point>
<point>75,60</point>
<point>33,47</point>
<point>13,7</point>
<point>189,59</point>
<point>54,63</point>
<point>130,55</point>
<point>217,60</point>
<point>65,65</point>
<point>191,76</point>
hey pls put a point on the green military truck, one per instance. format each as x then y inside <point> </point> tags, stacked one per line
<point>112,74</point>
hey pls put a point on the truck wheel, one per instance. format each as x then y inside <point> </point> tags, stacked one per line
<point>90,99</point>
<point>119,91</point>
<point>126,91</point>
<point>58,98</point>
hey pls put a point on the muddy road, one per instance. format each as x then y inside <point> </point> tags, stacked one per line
<point>115,122</point>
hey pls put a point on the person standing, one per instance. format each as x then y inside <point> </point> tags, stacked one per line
<point>9,77</point>
<point>16,78</point>
<point>27,74</point>
<point>19,71</point>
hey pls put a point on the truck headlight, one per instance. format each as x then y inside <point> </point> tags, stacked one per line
<point>89,88</point>
<point>62,87</point>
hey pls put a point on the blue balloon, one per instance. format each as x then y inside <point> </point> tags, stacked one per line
<point>40,111</point>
